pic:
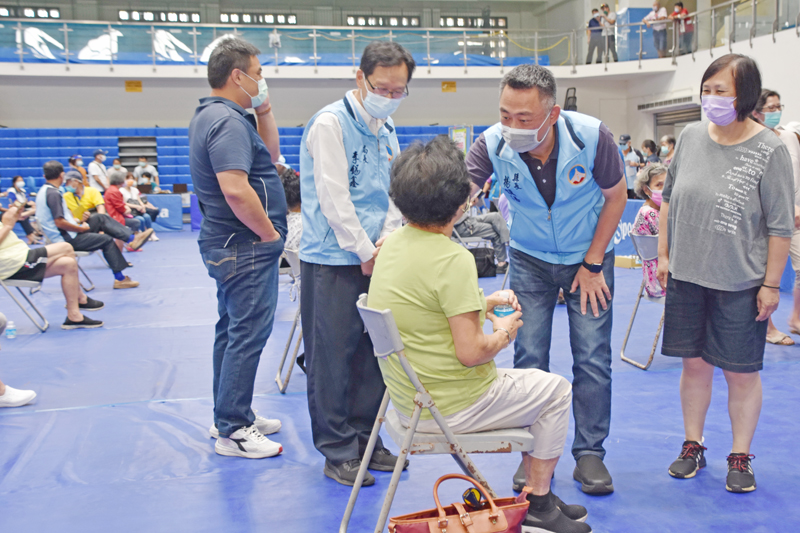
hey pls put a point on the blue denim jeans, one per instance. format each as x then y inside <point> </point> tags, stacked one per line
<point>145,221</point>
<point>247,294</point>
<point>536,284</point>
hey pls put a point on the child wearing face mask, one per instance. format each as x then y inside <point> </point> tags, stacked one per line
<point>648,186</point>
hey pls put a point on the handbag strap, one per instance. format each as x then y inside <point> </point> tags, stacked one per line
<point>495,513</point>
<point>466,519</point>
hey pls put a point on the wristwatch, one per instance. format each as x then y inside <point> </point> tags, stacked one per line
<point>594,268</point>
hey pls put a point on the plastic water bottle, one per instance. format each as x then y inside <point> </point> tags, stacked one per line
<point>11,330</point>
<point>504,309</point>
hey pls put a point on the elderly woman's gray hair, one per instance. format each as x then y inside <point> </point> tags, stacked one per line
<point>117,178</point>
<point>430,182</point>
<point>645,176</point>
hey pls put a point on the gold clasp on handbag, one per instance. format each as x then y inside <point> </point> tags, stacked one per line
<point>493,518</point>
<point>443,525</point>
<point>466,521</point>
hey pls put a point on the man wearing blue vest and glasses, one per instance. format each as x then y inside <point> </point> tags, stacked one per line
<point>563,179</point>
<point>345,157</point>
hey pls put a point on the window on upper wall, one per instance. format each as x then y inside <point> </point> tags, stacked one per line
<point>455,21</point>
<point>30,12</point>
<point>258,18</point>
<point>396,21</point>
<point>178,17</point>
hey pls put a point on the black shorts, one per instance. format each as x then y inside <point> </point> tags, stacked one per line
<point>719,326</point>
<point>34,267</point>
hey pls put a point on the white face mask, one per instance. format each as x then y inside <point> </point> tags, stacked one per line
<point>263,93</point>
<point>142,164</point>
<point>79,163</point>
<point>522,140</point>
<point>380,107</point>
<point>102,158</point>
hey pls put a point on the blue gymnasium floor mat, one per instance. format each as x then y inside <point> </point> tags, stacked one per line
<point>117,438</point>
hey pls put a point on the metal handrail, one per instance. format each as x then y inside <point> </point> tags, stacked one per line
<point>427,36</point>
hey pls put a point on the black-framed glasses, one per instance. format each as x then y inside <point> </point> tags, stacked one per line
<point>394,95</point>
<point>772,108</point>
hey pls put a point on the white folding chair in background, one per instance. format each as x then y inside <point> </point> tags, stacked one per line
<point>21,284</point>
<point>294,294</point>
<point>387,343</point>
<point>647,248</point>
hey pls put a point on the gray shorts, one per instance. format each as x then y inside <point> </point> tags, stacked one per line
<point>719,326</point>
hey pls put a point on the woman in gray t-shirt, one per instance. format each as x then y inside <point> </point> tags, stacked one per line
<point>726,223</point>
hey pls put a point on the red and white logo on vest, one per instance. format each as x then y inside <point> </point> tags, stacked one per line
<point>577,175</point>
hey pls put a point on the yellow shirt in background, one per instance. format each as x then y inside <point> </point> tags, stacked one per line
<point>91,199</point>
<point>13,254</point>
<point>425,278</point>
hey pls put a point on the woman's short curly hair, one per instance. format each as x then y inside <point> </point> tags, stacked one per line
<point>645,176</point>
<point>430,182</point>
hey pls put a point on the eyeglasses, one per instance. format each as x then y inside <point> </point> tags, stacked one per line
<point>466,207</point>
<point>395,95</point>
<point>773,108</point>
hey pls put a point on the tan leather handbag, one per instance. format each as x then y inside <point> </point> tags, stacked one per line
<point>503,515</point>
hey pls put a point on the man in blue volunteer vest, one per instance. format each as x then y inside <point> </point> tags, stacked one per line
<point>563,179</point>
<point>345,156</point>
<point>231,155</point>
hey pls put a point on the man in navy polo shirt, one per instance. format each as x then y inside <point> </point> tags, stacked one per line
<point>562,176</point>
<point>241,237</point>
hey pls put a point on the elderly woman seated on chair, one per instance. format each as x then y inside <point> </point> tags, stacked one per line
<point>18,262</point>
<point>430,283</point>
<point>648,186</point>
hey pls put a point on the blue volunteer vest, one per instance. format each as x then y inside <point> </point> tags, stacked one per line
<point>45,217</point>
<point>560,234</point>
<point>368,160</point>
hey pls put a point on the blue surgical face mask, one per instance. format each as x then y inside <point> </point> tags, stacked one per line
<point>263,93</point>
<point>772,119</point>
<point>380,107</point>
<point>69,188</point>
<point>664,150</point>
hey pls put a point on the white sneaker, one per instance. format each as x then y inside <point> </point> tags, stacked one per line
<point>16,398</point>
<point>265,426</point>
<point>249,443</point>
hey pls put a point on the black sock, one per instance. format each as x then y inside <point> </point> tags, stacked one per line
<point>541,504</point>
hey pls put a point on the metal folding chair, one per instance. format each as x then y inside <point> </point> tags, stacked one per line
<point>78,256</point>
<point>469,242</point>
<point>19,284</point>
<point>294,294</point>
<point>647,248</point>
<point>387,343</point>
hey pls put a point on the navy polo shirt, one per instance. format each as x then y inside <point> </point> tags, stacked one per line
<point>223,136</point>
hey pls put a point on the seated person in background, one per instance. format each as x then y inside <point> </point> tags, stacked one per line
<point>648,186</point>
<point>116,206</point>
<point>86,205</point>
<point>649,150</point>
<point>59,225</point>
<point>18,262</point>
<point>10,397</point>
<point>430,284</point>
<point>76,164</point>
<point>117,165</point>
<point>291,187</point>
<point>18,192</point>
<point>489,226</point>
<point>145,212</point>
<point>146,168</point>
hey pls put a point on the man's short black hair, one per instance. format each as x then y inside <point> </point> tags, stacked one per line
<point>650,144</point>
<point>52,170</point>
<point>430,182</point>
<point>291,187</point>
<point>386,54</point>
<point>230,54</point>
<point>595,10</point>
<point>746,79</point>
<point>146,175</point>
<point>143,157</point>
<point>679,4</point>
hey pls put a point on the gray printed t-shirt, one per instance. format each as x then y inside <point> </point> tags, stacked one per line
<point>724,204</point>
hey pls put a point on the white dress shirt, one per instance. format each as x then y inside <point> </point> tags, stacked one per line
<point>98,176</point>
<point>325,145</point>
